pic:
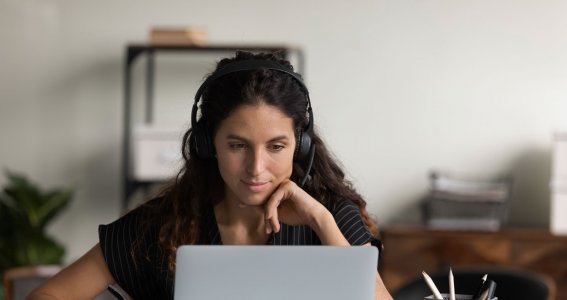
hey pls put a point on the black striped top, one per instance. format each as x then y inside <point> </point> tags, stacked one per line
<point>149,279</point>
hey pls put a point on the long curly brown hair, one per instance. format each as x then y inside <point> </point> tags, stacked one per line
<point>198,186</point>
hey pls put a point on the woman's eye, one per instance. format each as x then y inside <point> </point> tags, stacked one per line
<point>277,147</point>
<point>237,146</point>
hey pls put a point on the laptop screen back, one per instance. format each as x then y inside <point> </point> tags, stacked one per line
<point>275,272</point>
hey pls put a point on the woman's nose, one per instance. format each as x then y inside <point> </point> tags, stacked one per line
<point>256,162</point>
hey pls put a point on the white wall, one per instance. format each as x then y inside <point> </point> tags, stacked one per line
<point>399,88</point>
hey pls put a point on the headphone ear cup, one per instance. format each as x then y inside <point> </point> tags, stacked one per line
<point>302,147</point>
<point>202,141</point>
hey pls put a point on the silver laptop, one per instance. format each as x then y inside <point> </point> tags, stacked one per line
<point>275,272</point>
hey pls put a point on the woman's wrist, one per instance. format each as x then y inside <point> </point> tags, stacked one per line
<point>319,220</point>
<point>326,228</point>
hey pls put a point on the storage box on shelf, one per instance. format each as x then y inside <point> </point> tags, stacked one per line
<point>466,204</point>
<point>156,152</point>
<point>558,185</point>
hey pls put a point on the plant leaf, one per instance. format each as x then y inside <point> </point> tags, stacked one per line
<point>24,212</point>
<point>24,197</point>
<point>54,203</point>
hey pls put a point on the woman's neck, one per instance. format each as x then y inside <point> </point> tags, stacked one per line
<point>240,224</point>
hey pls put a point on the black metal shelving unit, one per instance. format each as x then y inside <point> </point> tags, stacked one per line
<point>132,52</point>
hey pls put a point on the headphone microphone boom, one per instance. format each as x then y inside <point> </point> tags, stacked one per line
<point>201,137</point>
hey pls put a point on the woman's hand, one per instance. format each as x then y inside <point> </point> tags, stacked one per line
<point>292,205</point>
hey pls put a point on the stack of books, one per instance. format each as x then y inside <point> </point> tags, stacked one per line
<point>467,204</point>
<point>178,36</point>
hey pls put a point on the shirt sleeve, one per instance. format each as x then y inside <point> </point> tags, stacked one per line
<point>117,241</point>
<point>349,220</point>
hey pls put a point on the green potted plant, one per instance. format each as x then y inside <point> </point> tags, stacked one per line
<point>25,212</point>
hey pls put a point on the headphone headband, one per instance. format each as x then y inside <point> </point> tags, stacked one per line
<point>249,65</point>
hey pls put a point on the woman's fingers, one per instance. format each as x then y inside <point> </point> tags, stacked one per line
<point>272,217</point>
<point>272,223</point>
<point>268,226</point>
<point>290,204</point>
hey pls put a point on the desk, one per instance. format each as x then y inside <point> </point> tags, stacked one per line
<point>411,249</point>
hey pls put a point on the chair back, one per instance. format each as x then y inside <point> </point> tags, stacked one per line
<point>20,281</point>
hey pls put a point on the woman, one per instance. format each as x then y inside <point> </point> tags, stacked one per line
<point>255,172</point>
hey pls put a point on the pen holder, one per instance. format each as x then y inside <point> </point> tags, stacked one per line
<point>457,297</point>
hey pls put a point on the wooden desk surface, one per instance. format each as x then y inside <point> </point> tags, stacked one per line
<point>410,249</point>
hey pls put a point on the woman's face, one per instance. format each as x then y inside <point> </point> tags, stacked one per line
<point>254,148</point>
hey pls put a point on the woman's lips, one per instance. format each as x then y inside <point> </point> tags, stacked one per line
<point>255,186</point>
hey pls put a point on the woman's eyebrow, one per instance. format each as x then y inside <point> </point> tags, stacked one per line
<point>236,137</point>
<point>282,137</point>
<point>279,138</point>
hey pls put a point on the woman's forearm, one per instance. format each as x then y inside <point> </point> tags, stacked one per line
<point>40,296</point>
<point>380,292</point>
<point>330,234</point>
<point>327,230</point>
<point>83,279</point>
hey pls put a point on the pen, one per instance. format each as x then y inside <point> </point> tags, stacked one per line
<point>483,295</point>
<point>451,285</point>
<point>479,290</point>
<point>432,286</point>
<point>490,289</point>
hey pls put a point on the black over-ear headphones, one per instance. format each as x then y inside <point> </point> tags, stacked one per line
<point>202,139</point>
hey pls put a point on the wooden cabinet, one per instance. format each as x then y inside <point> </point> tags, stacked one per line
<point>410,249</point>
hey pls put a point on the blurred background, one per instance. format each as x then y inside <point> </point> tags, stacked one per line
<point>399,88</point>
